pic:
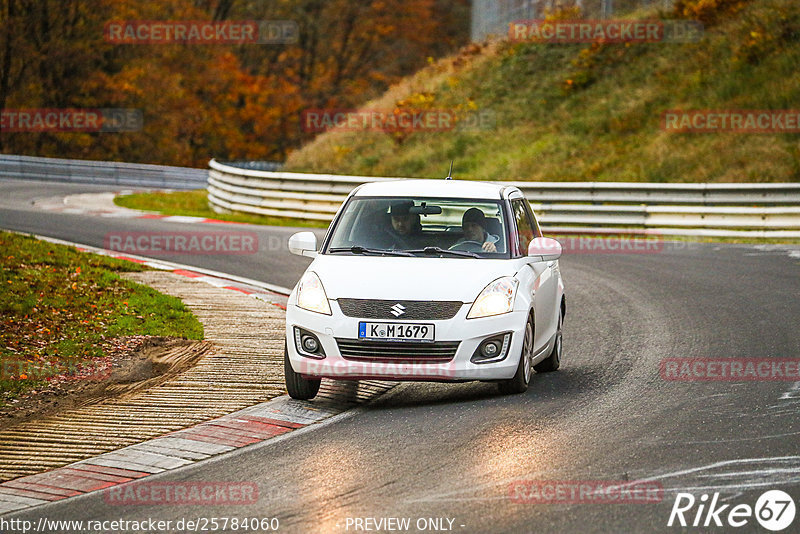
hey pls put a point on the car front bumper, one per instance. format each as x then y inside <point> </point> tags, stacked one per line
<point>469,333</point>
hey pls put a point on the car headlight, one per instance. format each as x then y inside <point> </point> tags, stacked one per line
<point>496,299</point>
<point>311,295</point>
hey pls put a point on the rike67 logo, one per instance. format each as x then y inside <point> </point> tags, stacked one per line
<point>774,510</point>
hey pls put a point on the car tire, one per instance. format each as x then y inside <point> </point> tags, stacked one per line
<point>298,387</point>
<point>519,383</point>
<point>553,361</point>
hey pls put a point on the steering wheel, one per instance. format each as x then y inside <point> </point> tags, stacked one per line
<point>468,246</point>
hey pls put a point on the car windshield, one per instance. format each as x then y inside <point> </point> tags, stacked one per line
<point>417,226</point>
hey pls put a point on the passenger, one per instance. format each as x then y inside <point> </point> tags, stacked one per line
<point>473,224</point>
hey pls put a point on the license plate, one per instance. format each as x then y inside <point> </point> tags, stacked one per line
<point>395,331</point>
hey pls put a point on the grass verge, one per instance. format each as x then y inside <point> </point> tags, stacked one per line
<point>593,112</point>
<point>60,309</point>
<point>195,204</point>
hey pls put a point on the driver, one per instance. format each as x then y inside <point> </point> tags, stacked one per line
<point>406,228</point>
<point>473,224</point>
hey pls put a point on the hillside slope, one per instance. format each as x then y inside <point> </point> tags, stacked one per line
<point>575,112</point>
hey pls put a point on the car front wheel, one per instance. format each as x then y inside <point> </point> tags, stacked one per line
<point>519,384</point>
<point>298,387</point>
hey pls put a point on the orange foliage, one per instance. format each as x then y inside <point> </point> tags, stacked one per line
<point>708,11</point>
<point>211,100</point>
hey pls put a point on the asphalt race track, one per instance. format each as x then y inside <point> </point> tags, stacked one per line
<point>451,453</point>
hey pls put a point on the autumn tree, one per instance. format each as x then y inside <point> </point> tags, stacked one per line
<point>209,100</point>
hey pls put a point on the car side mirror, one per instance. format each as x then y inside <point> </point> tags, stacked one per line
<point>544,249</point>
<point>303,244</point>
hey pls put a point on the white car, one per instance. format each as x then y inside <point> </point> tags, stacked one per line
<point>426,280</point>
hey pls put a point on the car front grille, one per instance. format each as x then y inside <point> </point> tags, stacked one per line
<point>397,351</point>
<point>411,309</point>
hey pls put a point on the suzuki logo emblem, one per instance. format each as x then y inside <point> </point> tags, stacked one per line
<point>398,310</point>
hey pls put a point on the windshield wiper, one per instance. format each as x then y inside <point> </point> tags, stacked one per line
<point>439,250</point>
<point>363,250</point>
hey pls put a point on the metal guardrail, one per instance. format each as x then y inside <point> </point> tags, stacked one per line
<point>692,209</point>
<point>256,165</point>
<point>101,172</point>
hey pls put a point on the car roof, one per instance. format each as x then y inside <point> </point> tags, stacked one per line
<point>435,188</point>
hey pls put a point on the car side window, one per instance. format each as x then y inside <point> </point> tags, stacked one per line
<point>537,231</point>
<point>524,229</point>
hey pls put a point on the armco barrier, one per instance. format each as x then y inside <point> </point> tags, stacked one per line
<point>101,172</point>
<point>691,209</point>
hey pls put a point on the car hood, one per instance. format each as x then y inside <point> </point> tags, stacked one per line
<point>424,278</point>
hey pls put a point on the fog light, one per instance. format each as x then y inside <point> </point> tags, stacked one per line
<point>307,344</point>
<point>490,349</point>
<point>310,344</point>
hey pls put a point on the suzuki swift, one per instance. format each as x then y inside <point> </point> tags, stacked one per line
<point>435,280</point>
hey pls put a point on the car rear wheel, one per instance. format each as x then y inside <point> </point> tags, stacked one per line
<point>297,386</point>
<point>519,384</point>
<point>553,361</point>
